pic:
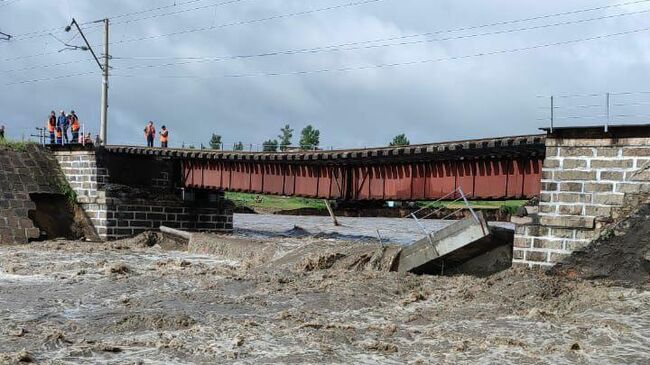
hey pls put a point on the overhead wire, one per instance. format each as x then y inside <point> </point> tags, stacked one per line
<point>405,63</point>
<point>44,32</point>
<point>243,22</point>
<point>52,78</point>
<point>337,48</point>
<point>345,69</point>
<point>246,22</point>
<point>453,30</point>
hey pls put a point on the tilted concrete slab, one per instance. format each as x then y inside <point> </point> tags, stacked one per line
<point>440,243</point>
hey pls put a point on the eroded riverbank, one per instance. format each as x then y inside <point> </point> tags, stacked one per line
<point>126,302</point>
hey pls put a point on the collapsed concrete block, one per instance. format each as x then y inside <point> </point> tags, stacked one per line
<point>443,242</point>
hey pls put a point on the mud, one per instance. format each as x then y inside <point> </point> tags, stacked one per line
<point>621,254</point>
<point>300,300</point>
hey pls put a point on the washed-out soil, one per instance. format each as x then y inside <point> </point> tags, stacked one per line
<point>620,254</point>
<point>57,217</point>
<point>147,300</point>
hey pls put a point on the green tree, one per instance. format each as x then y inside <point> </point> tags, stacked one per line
<point>310,138</point>
<point>270,146</point>
<point>215,142</point>
<point>239,146</point>
<point>285,136</point>
<point>400,140</point>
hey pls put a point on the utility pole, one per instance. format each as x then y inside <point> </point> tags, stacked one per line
<point>104,112</point>
<point>105,68</point>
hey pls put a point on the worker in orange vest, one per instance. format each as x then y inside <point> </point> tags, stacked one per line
<point>74,126</point>
<point>51,126</point>
<point>59,135</point>
<point>150,133</point>
<point>164,137</point>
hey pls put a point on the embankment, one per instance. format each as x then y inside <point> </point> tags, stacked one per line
<point>33,203</point>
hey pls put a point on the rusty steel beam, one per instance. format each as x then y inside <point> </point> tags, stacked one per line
<point>500,168</point>
<point>480,179</point>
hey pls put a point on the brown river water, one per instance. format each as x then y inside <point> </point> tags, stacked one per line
<point>298,300</point>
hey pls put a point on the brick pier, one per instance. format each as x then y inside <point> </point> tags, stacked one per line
<point>127,195</point>
<point>590,178</point>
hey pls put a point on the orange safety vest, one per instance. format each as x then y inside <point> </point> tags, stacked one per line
<point>59,134</point>
<point>51,124</point>
<point>75,123</point>
<point>149,130</point>
<point>164,136</point>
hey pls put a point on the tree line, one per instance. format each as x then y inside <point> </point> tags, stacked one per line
<point>309,140</point>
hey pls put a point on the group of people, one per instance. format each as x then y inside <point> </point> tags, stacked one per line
<point>150,135</point>
<point>58,128</point>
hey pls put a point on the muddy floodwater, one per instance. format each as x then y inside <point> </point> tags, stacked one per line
<point>299,300</point>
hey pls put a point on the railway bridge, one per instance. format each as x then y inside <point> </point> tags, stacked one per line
<point>494,168</point>
<point>125,190</point>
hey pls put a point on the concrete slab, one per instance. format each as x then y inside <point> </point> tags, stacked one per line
<point>484,257</point>
<point>443,242</point>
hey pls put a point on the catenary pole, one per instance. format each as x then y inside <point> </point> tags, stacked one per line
<point>104,111</point>
<point>103,123</point>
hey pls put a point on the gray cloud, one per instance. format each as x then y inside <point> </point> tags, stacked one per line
<point>474,97</point>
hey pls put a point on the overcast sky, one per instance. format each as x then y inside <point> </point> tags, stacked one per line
<point>449,96</point>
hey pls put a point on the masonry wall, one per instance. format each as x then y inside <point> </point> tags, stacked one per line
<point>31,170</point>
<point>587,183</point>
<point>124,195</point>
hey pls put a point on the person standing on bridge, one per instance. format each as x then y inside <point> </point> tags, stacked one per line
<point>2,132</point>
<point>164,137</point>
<point>59,135</point>
<point>51,126</point>
<point>150,133</point>
<point>62,125</point>
<point>74,127</point>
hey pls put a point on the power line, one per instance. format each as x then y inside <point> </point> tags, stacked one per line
<point>360,68</point>
<point>218,26</point>
<point>406,63</point>
<point>52,78</point>
<point>42,66</point>
<point>251,21</point>
<point>337,48</point>
<point>40,33</point>
<point>45,32</point>
<point>387,65</point>
<point>333,47</point>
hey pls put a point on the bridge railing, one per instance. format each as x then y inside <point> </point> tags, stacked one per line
<point>460,197</point>
<point>606,109</point>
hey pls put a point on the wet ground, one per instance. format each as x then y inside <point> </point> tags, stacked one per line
<point>310,300</point>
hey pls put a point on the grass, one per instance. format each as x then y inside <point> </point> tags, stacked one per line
<point>266,203</point>
<point>509,206</point>
<point>19,146</point>
<point>66,190</point>
<point>273,203</point>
